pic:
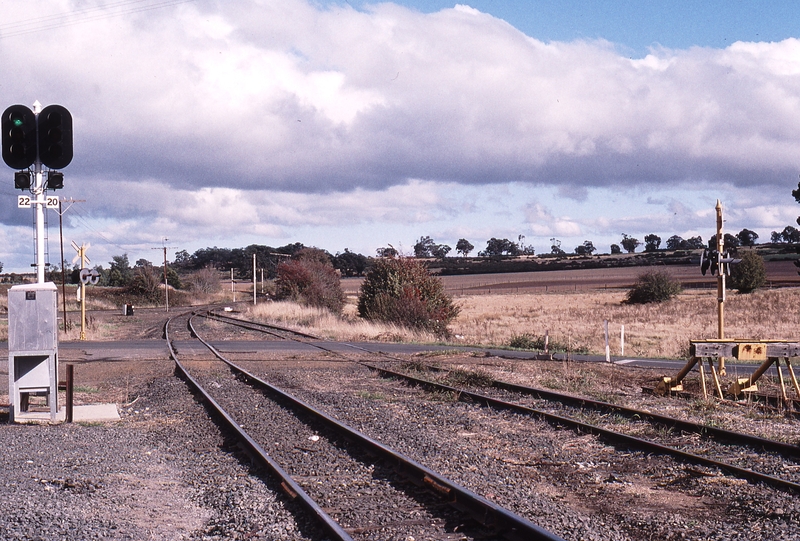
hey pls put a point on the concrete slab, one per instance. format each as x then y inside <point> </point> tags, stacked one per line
<point>88,413</point>
<point>92,413</point>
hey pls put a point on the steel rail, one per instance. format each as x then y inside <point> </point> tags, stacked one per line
<point>289,485</point>
<point>729,436</point>
<point>489,514</point>
<point>784,449</point>
<point>608,435</point>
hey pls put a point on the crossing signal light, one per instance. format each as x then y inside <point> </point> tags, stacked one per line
<point>19,137</point>
<point>22,180</point>
<point>55,137</point>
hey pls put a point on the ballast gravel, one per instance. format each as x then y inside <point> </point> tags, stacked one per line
<point>163,473</point>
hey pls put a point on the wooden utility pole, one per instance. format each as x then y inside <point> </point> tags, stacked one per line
<point>720,284</point>
<point>61,211</point>
<point>166,282</point>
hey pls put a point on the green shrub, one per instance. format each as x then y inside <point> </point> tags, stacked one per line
<point>402,291</point>
<point>653,286</point>
<point>309,278</point>
<point>748,275</point>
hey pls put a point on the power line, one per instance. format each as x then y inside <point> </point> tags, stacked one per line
<point>49,22</point>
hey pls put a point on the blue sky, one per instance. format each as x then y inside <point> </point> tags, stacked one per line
<point>636,26</point>
<point>357,125</point>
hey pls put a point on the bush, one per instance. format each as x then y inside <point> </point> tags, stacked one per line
<point>401,291</point>
<point>310,279</point>
<point>750,274</point>
<point>206,280</point>
<point>146,285</point>
<point>653,286</point>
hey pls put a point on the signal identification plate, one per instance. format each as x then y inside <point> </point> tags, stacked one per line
<point>26,201</point>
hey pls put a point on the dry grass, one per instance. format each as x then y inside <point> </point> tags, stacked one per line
<point>574,319</point>
<point>651,330</point>
<point>327,325</point>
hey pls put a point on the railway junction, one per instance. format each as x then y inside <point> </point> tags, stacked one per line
<point>429,443</point>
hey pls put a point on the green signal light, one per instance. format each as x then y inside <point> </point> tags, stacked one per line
<point>17,122</point>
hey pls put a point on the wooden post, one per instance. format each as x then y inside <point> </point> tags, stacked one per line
<point>608,350</point>
<point>70,387</point>
<point>720,285</point>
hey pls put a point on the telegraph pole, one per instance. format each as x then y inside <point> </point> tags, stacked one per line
<point>61,212</point>
<point>166,283</point>
<point>720,286</point>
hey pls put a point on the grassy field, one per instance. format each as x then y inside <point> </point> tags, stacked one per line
<point>575,320</point>
<point>497,308</point>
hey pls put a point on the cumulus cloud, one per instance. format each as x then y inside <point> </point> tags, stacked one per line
<point>294,96</point>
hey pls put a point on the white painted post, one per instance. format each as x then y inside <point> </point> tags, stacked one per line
<point>254,279</point>
<point>622,339</point>
<point>39,204</point>
<point>608,351</point>
<point>546,342</point>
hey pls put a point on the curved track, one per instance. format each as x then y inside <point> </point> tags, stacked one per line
<point>741,455</point>
<point>331,467</point>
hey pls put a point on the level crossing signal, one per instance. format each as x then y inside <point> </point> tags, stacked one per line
<point>46,136</point>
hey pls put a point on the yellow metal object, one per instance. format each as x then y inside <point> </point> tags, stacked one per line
<point>752,352</point>
<point>742,385</point>
<point>665,387</point>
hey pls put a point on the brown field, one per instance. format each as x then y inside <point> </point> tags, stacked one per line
<point>571,306</point>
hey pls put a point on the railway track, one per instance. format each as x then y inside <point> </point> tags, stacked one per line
<point>353,486</point>
<point>742,455</point>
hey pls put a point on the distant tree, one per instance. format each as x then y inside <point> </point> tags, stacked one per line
<point>182,260</point>
<point>464,247</point>
<point>750,274</point>
<point>790,234</point>
<point>440,251</point>
<point>629,243</point>
<point>142,263</point>
<point>796,194</point>
<point>146,283</point>
<point>525,249</point>
<point>747,237</point>
<point>119,273</point>
<point>651,242</point>
<point>423,247</point>
<point>730,242</point>
<point>555,247</point>
<point>694,243</point>
<point>675,243</point>
<point>500,247</point>
<point>586,248</point>
<point>388,251</point>
<point>350,263</point>
<point>615,249</point>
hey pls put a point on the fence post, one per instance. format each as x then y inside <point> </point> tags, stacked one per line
<point>608,351</point>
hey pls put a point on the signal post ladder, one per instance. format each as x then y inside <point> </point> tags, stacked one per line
<point>768,351</point>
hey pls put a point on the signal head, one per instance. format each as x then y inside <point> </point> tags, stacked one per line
<point>18,126</point>
<point>55,136</point>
